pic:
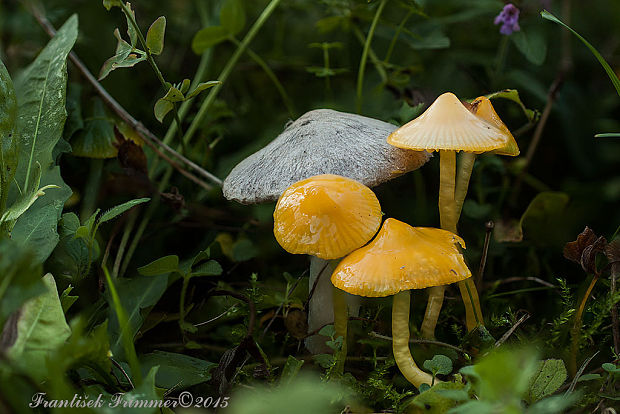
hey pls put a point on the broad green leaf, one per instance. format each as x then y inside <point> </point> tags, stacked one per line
<point>305,394</point>
<point>532,44</point>
<point>21,277</point>
<point>75,121</point>
<point>120,209</point>
<point>610,72</point>
<point>70,257</point>
<point>201,87</point>
<point>328,331</point>
<point>41,328</point>
<point>210,268</point>
<point>142,393</point>
<point>440,364</point>
<point>208,37</point>
<point>232,16</point>
<point>41,89</point>
<point>177,370</point>
<point>163,265</point>
<point>550,376</point>
<point>66,300</point>
<point>137,295</point>
<point>161,109</point>
<point>543,217</point>
<point>290,370</point>
<point>611,368</point>
<point>438,399</point>
<point>8,135</point>
<point>243,250</point>
<point>96,139</point>
<point>155,36</point>
<point>554,404</point>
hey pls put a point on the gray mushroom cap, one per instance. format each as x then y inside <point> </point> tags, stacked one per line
<point>322,141</point>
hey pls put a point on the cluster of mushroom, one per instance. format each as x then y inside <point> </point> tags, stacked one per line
<point>320,167</point>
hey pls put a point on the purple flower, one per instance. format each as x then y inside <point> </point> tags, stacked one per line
<point>509,18</point>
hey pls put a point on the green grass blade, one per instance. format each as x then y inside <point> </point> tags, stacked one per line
<point>614,79</point>
<point>608,135</point>
<point>123,321</point>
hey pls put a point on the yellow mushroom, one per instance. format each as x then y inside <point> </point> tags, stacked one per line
<point>401,258</point>
<point>448,126</point>
<point>327,216</point>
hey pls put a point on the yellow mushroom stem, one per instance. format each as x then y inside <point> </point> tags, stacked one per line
<point>447,217</point>
<point>341,319</point>
<point>400,342</point>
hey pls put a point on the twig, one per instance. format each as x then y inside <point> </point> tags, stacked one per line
<point>615,270</point>
<point>289,293</point>
<point>252,316</point>
<point>512,329</point>
<point>485,250</point>
<point>578,374</point>
<point>148,137</point>
<point>215,318</point>
<point>120,368</point>
<point>520,279</point>
<point>421,341</point>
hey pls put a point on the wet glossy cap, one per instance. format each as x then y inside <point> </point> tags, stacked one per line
<point>400,258</point>
<point>483,108</point>
<point>326,216</point>
<point>448,125</point>
<point>321,142</point>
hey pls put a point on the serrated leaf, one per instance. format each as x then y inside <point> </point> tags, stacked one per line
<point>161,109</point>
<point>210,268</point>
<point>41,329</point>
<point>41,90</point>
<point>120,209</point>
<point>550,376</point>
<point>440,364</point>
<point>201,87</point>
<point>328,331</point>
<point>163,265</point>
<point>155,36</point>
<point>208,37</point>
<point>232,16</point>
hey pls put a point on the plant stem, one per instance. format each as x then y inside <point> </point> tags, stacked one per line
<point>149,57</point>
<point>576,330</point>
<point>371,54</point>
<point>92,188</point>
<point>447,173</point>
<point>400,341</point>
<point>206,104</point>
<point>272,76</point>
<point>341,319</point>
<point>362,66</point>
<point>182,304</point>
<point>388,55</point>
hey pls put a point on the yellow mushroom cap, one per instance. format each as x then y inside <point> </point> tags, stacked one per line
<point>327,216</point>
<point>448,125</point>
<point>400,258</point>
<point>483,108</point>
